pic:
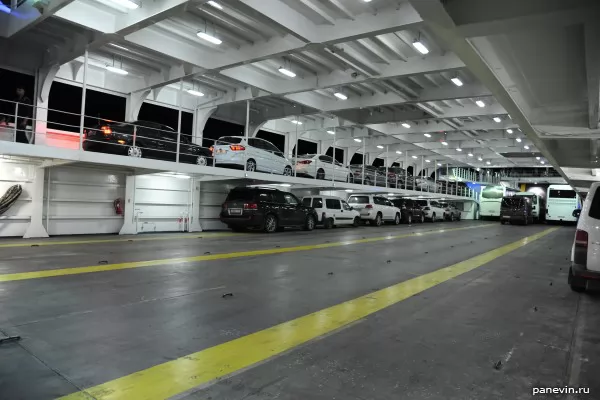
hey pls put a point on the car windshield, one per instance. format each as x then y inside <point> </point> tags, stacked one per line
<point>241,194</point>
<point>306,202</point>
<point>422,203</point>
<point>512,201</point>
<point>230,140</point>
<point>359,199</point>
<point>307,156</point>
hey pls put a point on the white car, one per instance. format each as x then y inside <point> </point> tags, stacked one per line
<point>432,209</point>
<point>256,154</point>
<point>321,166</point>
<point>375,209</point>
<point>585,253</point>
<point>332,211</point>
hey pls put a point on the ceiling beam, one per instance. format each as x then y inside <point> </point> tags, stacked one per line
<point>28,16</point>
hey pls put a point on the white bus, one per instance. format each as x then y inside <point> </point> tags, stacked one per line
<point>561,201</point>
<point>490,199</point>
<point>537,204</point>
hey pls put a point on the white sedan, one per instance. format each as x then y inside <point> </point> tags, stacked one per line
<point>321,166</point>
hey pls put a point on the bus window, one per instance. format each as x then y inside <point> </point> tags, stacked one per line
<point>561,194</point>
<point>492,193</point>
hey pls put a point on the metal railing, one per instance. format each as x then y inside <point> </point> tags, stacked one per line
<point>25,123</point>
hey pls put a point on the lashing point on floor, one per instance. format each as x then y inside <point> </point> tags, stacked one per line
<point>35,245</point>
<point>207,252</point>
<point>498,365</point>
<point>550,283</point>
<point>535,308</point>
<point>227,295</point>
<point>330,273</point>
<point>10,339</point>
<point>102,262</point>
<point>389,261</point>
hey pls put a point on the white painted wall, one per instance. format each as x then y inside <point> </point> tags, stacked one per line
<point>16,219</point>
<point>212,196</point>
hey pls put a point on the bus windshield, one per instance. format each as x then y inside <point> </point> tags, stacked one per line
<point>495,192</point>
<point>561,194</point>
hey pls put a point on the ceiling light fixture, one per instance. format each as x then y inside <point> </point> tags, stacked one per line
<point>357,140</point>
<point>195,93</point>
<point>215,4</point>
<point>295,121</point>
<point>379,146</point>
<point>497,119</point>
<point>119,47</point>
<point>459,149</point>
<point>427,135</point>
<point>340,96</point>
<point>349,190</point>
<point>542,162</point>
<point>480,103</point>
<point>209,38</point>
<point>420,47</point>
<point>116,70</point>
<point>457,81</point>
<point>427,160</point>
<point>470,154</point>
<point>398,152</point>
<point>415,157</point>
<point>518,140</point>
<point>287,72</point>
<point>537,158</point>
<point>488,163</point>
<point>331,132</point>
<point>128,4</point>
<point>526,147</point>
<point>509,131</point>
<point>406,125</point>
<point>445,143</point>
<point>479,159</point>
<point>439,164</point>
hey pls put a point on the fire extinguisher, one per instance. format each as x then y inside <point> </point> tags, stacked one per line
<point>118,204</point>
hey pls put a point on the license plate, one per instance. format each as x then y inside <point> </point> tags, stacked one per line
<point>235,211</point>
<point>221,151</point>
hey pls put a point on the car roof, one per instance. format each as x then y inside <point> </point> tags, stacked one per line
<point>322,197</point>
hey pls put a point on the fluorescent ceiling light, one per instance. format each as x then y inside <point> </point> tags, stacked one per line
<point>427,160</point>
<point>398,152</point>
<point>537,158</point>
<point>119,47</point>
<point>459,149</point>
<point>479,158</point>
<point>215,4</point>
<point>414,156</point>
<point>340,96</point>
<point>427,135</point>
<point>209,38</point>
<point>295,121</point>
<point>406,125</point>
<point>349,190</point>
<point>457,81</point>
<point>287,72</point>
<point>439,164</point>
<point>331,132</point>
<point>518,140</point>
<point>357,140</point>
<point>130,5</point>
<point>195,93</point>
<point>480,103</point>
<point>488,163</point>
<point>379,146</point>
<point>542,162</point>
<point>470,154</point>
<point>116,70</point>
<point>391,194</point>
<point>445,143</point>
<point>477,169</point>
<point>497,119</point>
<point>526,147</point>
<point>509,131</point>
<point>420,47</point>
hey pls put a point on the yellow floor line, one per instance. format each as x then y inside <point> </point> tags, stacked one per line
<point>175,377</point>
<point>121,239</point>
<point>221,256</point>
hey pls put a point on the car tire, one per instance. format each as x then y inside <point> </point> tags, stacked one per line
<point>422,219</point>
<point>433,217</point>
<point>397,219</point>
<point>452,219</point>
<point>202,161</point>
<point>270,225</point>
<point>250,165</point>
<point>321,174</point>
<point>409,219</point>
<point>378,220</point>
<point>134,151</point>
<point>577,284</point>
<point>309,225</point>
<point>356,222</point>
<point>287,171</point>
<point>328,223</point>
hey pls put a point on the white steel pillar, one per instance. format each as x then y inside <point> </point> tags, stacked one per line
<point>83,97</point>
<point>133,104</point>
<point>44,78</point>
<point>194,210</point>
<point>201,117</point>
<point>129,213</point>
<point>180,104</point>
<point>36,225</point>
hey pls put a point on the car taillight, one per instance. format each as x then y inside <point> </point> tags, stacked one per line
<point>305,162</point>
<point>212,150</point>
<point>237,147</point>
<point>106,130</point>
<point>369,206</point>
<point>250,206</point>
<point>581,238</point>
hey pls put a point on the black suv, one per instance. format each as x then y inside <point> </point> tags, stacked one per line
<point>411,210</point>
<point>152,140</point>
<point>265,209</point>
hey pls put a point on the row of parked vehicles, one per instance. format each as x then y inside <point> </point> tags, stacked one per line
<point>151,140</point>
<point>271,210</point>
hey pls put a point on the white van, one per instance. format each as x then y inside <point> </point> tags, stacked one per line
<point>561,202</point>
<point>332,211</point>
<point>256,154</point>
<point>585,253</point>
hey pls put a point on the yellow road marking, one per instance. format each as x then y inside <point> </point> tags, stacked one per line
<point>174,377</point>
<point>122,239</point>
<point>221,256</point>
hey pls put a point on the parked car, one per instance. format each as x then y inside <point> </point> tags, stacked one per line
<point>411,210</point>
<point>256,154</point>
<point>375,209</point>
<point>396,176</point>
<point>425,184</point>
<point>322,167</point>
<point>451,213</point>
<point>516,209</point>
<point>432,210</point>
<point>373,176</point>
<point>585,253</point>
<point>332,211</point>
<point>267,209</point>
<point>144,139</point>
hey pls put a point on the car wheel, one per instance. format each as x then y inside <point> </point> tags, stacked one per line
<point>320,174</point>
<point>134,151</point>
<point>422,219</point>
<point>270,223</point>
<point>201,160</point>
<point>577,284</point>
<point>356,222</point>
<point>328,223</point>
<point>309,225</point>
<point>250,165</point>
<point>409,219</point>
<point>378,220</point>
<point>287,171</point>
<point>397,220</point>
<point>433,218</point>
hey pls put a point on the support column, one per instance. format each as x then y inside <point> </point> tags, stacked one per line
<point>194,212</point>
<point>44,78</point>
<point>133,104</point>
<point>36,226</point>
<point>129,213</point>
<point>201,117</point>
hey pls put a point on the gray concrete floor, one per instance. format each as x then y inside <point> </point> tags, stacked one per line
<point>82,330</point>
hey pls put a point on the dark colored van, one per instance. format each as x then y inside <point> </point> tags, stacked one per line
<point>516,209</point>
